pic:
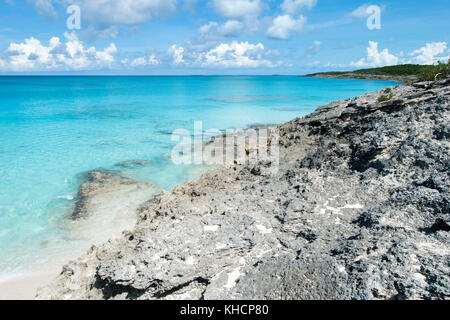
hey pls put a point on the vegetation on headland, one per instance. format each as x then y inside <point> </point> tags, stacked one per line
<point>421,72</point>
<point>435,72</point>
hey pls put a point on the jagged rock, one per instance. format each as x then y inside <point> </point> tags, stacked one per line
<point>359,209</point>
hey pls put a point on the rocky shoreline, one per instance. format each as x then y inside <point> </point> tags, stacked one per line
<point>359,209</point>
<point>403,79</point>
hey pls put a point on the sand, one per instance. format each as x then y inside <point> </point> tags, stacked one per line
<point>24,287</point>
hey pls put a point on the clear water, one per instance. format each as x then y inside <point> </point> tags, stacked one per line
<point>54,128</point>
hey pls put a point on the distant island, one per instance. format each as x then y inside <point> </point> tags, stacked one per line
<point>406,73</point>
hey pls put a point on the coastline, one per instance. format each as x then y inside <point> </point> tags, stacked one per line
<point>111,187</point>
<point>245,223</point>
<point>105,206</point>
<point>27,284</point>
<point>355,76</point>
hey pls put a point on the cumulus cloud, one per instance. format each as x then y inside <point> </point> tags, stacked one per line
<point>32,55</point>
<point>229,28</point>
<point>235,9</point>
<point>177,54</point>
<point>236,55</point>
<point>283,26</point>
<point>240,15</point>
<point>430,53</point>
<point>375,58</point>
<point>142,61</point>
<point>103,17</point>
<point>293,7</point>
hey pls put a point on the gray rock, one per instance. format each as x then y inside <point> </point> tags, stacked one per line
<point>359,209</point>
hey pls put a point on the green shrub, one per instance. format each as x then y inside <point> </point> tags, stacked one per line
<point>422,72</point>
<point>435,72</point>
<point>387,95</point>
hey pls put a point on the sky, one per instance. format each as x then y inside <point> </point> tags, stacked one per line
<point>181,37</point>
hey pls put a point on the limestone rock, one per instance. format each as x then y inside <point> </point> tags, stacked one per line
<point>359,209</point>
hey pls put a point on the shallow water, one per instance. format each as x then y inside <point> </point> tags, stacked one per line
<point>54,128</point>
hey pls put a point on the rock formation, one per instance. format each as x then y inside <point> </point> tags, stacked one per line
<point>409,79</point>
<point>359,209</point>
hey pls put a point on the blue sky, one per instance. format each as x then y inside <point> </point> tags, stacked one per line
<point>219,36</point>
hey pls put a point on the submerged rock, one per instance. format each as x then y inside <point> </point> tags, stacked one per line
<point>133,164</point>
<point>359,209</point>
<point>104,187</point>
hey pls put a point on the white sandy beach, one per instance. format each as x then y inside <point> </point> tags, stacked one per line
<point>24,287</point>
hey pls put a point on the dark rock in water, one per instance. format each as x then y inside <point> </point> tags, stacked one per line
<point>133,164</point>
<point>359,209</point>
<point>102,186</point>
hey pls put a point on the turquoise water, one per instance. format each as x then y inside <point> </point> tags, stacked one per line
<point>54,128</point>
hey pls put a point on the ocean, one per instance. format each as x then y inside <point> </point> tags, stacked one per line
<point>55,128</point>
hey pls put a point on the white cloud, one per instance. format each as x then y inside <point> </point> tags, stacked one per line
<point>124,12</point>
<point>293,7</point>
<point>375,58</point>
<point>91,32</point>
<point>235,9</point>
<point>430,53</point>
<point>229,28</point>
<point>32,55</point>
<point>314,49</point>
<point>143,61</point>
<point>284,25</point>
<point>208,27</point>
<point>314,63</point>
<point>236,55</point>
<point>360,12</point>
<point>44,7</point>
<point>241,15</point>
<point>177,54</point>
<point>106,56</point>
<point>104,17</point>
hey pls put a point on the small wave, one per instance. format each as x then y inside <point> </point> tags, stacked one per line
<point>66,197</point>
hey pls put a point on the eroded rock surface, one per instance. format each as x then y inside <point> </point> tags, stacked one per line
<point>359,209</point>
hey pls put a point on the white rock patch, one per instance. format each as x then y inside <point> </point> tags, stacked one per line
<point>210,228</point>
<point>263,229</point>
<point>232,277</point>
